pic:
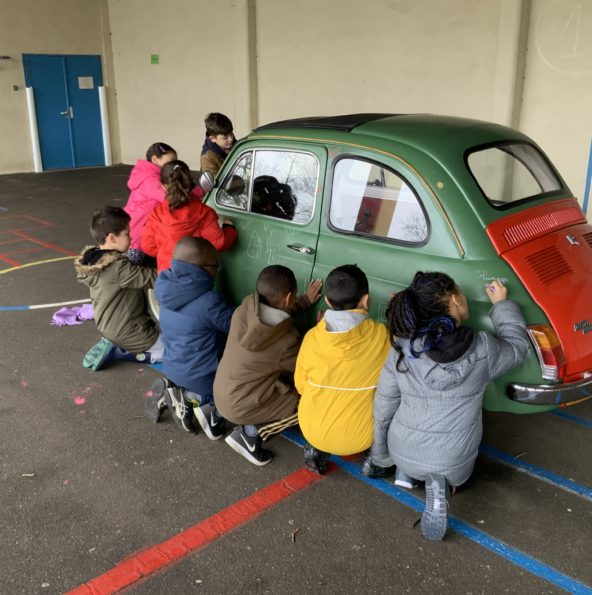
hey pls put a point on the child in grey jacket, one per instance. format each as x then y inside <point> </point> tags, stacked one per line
<point>427,409</point>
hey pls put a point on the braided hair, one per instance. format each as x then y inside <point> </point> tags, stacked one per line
<point>420,312</point>
<point>175,175</point>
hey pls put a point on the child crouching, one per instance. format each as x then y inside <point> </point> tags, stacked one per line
<point>337,370</point>
<point>254,382</point>
<point>194,322</point>
<point>427,411</point>
<point>117,290</point>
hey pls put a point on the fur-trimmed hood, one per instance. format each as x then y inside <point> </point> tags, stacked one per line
<point>93,260</point>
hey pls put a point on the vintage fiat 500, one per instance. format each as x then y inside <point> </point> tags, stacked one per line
<point>400,193</point>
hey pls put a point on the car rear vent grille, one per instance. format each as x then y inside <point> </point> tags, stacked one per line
<point>548,264</point>
<point>588,238</point>
<point>526,230</point>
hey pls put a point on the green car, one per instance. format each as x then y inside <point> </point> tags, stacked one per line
<point>395,194</point>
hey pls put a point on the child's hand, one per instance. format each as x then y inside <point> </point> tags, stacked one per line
<point>496,291</point>
<point>227,221</point>
<point>313,292</point>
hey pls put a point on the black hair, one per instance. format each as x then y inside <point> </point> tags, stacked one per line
<point>274,283</point>
<point>421,312</point>
<point>345,286</point>
<point>158,150</point>
<point>175,175</point>
<point>108,220</point>
<point>197,251</point>
<point>217,124</point>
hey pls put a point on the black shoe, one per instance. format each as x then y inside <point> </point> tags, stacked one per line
<point>372,471</point>
<point>211,424</point>
<point>156,403</point>
<point>248,447</point>
<point>315,460</point>
<point>181,410</point>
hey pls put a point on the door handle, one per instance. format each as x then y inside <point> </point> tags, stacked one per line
<point>69,113</point>
<point>301,249</point>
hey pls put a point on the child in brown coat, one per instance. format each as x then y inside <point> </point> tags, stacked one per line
<point>254,381</point>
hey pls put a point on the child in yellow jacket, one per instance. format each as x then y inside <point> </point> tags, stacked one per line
<point>337,370</point>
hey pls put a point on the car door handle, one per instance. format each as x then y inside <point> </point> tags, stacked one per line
<point>301,249</point>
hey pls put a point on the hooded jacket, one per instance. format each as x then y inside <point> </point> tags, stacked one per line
<point>428,418</point>
<point>336,374</point>
<point>194,321</point>
<point>117,292</point>
<point>146,193</point>
<point>165,227</point>
<point>253,382</point>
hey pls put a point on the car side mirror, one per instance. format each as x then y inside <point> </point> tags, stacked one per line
<point>207,181</point>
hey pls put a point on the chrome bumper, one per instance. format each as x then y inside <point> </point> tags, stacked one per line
<point>556,394</point>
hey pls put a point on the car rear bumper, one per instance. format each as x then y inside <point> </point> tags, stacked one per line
<point>557,394</point>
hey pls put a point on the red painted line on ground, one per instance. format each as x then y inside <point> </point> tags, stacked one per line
<point>9,261</point>
<point>26,236</point>
<point>150,560</point>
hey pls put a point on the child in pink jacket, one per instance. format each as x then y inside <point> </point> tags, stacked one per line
<point>146,192</point>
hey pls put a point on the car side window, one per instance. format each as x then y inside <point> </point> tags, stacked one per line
<point>283,186</point>
<point>235,189</point>
<point>372,200</point>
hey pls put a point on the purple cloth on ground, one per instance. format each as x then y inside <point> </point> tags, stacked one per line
<point>76,315</point>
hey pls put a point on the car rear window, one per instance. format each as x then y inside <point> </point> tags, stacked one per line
<point>512,172</point>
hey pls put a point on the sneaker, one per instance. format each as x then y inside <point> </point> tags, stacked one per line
<point>315,460</point>
<point>181,410</point>
<point>434,519</point>
<point>248,447</point>
<point>210,423</point>
<point>156,403</point>
<point>405,481</point>
<point>372,471</point>
<point>98,354</point>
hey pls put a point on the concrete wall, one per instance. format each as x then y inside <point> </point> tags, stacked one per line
<point>46,27</point>
<point>557,101</point>
<point>203,67</point>
<point>526,63</point>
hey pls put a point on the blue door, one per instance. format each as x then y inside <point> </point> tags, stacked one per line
<point>66,95</point>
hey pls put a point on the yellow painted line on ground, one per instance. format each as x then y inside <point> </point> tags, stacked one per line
<point>33,264</point>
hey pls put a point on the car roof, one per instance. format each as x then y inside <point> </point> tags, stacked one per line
<point>425,131</point>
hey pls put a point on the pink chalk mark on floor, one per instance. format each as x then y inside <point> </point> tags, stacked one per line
<point>148,393</point>
<point>79,400</point>
<point>24,384</point>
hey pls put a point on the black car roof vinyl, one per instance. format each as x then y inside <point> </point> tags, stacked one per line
<point>344,123</point>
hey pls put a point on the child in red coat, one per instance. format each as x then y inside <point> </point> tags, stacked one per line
<point>181,215</point>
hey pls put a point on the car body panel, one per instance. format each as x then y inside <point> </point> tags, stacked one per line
<point>464,238</point>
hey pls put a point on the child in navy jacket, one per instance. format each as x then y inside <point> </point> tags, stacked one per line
<point>194,322</point>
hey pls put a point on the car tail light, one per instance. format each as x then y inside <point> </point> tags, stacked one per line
<point>549,351</point>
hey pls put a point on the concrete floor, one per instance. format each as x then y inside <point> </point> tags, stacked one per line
<point>88,481</point>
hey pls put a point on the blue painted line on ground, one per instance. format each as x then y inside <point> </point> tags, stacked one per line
<point>496,546</point>
<point>536,471</point>
<point>540,473</point>
<point>588,181</point>
<point>41,306</point>
<point>578,420</point>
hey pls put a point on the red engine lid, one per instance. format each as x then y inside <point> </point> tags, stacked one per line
<point>550,249</point>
